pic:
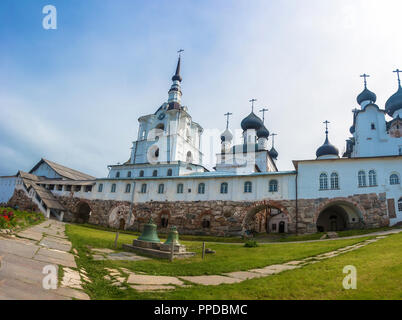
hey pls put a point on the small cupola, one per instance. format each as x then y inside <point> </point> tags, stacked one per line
<point>366,96</point>
<point>327,150</point>
<point>394,103</point>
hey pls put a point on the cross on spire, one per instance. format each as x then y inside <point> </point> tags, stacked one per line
<point>263,110</point>
<point>179,52</point>
<point>273,139</point>
<point>397,71</point>
<point>326,127</point>
<point>365,76</point>
<point>252,104</point>
<point>227,115</point>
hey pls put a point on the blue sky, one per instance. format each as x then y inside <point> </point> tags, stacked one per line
<point>73,95</point>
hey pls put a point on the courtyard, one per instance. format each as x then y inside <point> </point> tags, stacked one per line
<point>90,267</point>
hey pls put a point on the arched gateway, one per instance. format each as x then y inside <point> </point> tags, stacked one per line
<point>83,212</point>
<point>338,215</point>
<point>266,216</point>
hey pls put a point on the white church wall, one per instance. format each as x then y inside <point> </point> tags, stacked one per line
<point>348,169</point>
<point>373,141</point>
<point>7,186</point>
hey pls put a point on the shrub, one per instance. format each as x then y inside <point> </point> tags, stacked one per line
<point>251,244</point>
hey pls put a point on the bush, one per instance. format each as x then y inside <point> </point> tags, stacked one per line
<point>251,244</point>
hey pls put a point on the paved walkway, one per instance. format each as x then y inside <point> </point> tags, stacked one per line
<point>142,282</point>
<point>24,256</point>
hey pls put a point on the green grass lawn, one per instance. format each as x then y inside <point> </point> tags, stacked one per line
<point>228,257</point>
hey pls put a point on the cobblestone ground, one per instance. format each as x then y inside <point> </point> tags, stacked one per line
<point>24,257</point>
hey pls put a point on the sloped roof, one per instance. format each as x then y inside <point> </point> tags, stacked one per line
<point>47,197</point>
<point>64,171</point>
<point>28,176</point>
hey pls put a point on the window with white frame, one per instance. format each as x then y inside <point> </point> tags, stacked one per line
<point>273,186</point>
<point>128,188</point>
<point>394,179</point>
<point>248,187</point>
<point>362,178</point>
<point>372,178</point>
<point>323,181</point>
<point>400,205</point>
<point>161,188</point>
<point>113,188</point>
<point>224,187</point>
<point>100,187</point>
<point>201,188</point>
<point>180,188</point>
<point>144,188</point>
<point>334,181</point>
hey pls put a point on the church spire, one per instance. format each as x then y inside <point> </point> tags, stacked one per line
<point>175,93</point>
<point>177,74</point>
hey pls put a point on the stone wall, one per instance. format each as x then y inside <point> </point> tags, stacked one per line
<point>23,202</point>
<point>228,217</point>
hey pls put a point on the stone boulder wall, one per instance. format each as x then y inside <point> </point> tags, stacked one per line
<point>226,218</point>
<point>23,202</point>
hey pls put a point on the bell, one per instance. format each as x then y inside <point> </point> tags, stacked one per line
<point>149,233</point>
<point>172,236</point>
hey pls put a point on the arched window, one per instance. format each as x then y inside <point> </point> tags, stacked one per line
<point>129,174</point>
<point>273,186</point>
<point>323,181</point>
<point>155,173</point>
<point>144,188</point>
<point>248,187</point>
<point>372,178</point>
<point>189,157</point>
<point>128,188</point>
<point>394,179</point>
<point>224,187</point>
<point>206,221</point>
<point>180,188</point>
<point>334,180</point>
<point>164,220</point>
<point>362,178</point>
<point>113,188</point>
<point>169,172</point>
<point>201,188</point>
<point>141,173</point>
<point>118,174</point>
<point>100,187</point>
<point>161,188</point>
<point>400,205</point>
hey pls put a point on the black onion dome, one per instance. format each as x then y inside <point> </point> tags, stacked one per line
<point>262,132</point>
<point>352,129</point>
<point>273,153</point>
<point>251,122</point>
<point>394,103</point>
<point>226,135</point>
<point>327,149</point>
<point>366,95</point>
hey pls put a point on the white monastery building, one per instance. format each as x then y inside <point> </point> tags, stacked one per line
<point>165,178</point>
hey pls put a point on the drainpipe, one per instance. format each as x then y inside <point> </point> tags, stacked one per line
<point>297,207</point>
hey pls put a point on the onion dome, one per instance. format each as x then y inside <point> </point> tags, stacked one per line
<point>327,149</point>
<point>263,132</point>
<point>352,129</point>
<point>226,136</point>
<point>394,103</point>
<point>273,153</point>
<point>366,95</point>
<point>251,122</point>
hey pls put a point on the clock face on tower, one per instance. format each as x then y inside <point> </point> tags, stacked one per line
<point>161,116</point>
